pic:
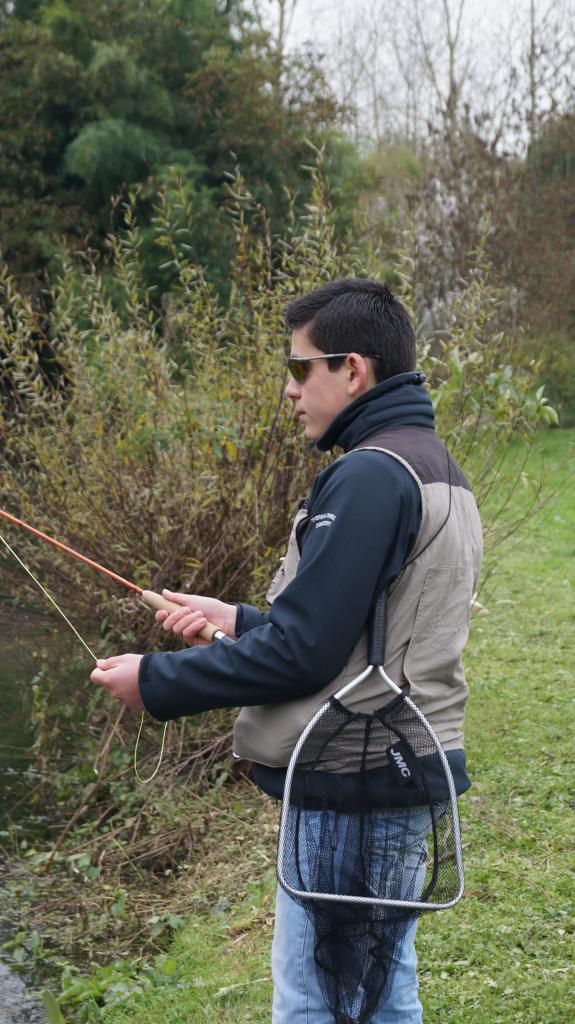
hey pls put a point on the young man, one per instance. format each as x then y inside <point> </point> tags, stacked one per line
<point>394,513</point>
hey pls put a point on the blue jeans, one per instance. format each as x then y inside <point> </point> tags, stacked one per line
<point>297,995</point>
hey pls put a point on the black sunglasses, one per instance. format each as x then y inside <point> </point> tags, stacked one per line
<point>299,366</point>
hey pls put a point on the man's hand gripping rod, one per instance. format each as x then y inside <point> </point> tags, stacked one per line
<point>153,600</point>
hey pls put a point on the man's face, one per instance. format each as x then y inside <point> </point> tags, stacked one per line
<point>324,393</point>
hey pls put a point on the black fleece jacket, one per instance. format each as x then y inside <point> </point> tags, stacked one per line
<point>364,517</point>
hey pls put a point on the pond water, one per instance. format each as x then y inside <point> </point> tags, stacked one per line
<point>18,1004</point>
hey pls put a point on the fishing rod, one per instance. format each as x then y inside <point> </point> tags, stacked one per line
<point>149,597</point>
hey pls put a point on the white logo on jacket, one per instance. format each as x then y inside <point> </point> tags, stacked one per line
<point>323,519</point>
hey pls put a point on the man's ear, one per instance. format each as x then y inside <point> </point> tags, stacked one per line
<point>360,374</point>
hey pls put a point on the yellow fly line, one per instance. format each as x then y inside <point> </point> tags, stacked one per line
<point>91,653</point>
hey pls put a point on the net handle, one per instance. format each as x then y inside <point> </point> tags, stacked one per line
<point>376,633</point>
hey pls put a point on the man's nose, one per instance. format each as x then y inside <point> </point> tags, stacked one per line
<point>292,389</point>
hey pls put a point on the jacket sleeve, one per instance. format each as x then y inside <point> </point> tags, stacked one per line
<point>364,517</point>
<point>248,618</point>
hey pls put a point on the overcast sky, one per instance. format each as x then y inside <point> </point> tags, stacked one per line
<point>319,19</point>
<point>494,39</point>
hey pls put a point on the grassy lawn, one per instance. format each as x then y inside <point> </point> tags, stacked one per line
<point>506,954</point>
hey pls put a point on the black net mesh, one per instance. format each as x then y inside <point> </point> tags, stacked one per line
<point>368,814</point>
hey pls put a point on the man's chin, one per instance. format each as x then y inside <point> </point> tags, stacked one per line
<point>311,430</point>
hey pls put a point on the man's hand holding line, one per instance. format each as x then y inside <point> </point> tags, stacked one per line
<point>119,675</point>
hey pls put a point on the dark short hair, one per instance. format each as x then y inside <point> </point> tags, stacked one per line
<point>352,314</point>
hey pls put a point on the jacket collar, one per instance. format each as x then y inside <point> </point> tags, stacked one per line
<point>399,401</point>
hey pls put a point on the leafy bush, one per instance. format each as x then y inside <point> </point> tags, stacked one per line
<point>163,449</point>
<point>486,392</point>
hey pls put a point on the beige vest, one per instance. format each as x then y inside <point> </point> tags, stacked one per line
<point>428,612</point>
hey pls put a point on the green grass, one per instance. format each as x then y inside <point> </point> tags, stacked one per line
<point>505,955</point>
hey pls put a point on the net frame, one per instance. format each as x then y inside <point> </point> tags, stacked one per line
<point>283,846</point>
